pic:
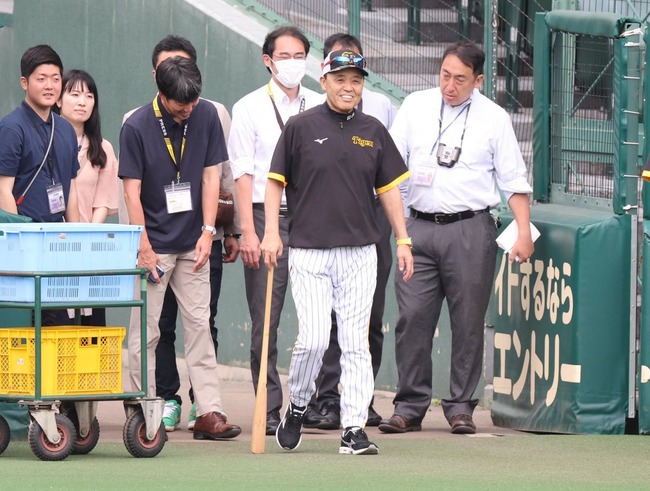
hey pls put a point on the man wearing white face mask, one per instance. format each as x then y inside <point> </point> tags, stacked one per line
<point>257,121</point>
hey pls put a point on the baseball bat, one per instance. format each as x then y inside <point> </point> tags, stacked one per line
<point>258,440</point>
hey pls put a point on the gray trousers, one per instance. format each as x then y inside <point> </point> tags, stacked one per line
<point>455,261</point>
<point>255,280</point>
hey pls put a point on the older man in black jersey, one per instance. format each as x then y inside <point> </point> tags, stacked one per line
<point>332,159</point>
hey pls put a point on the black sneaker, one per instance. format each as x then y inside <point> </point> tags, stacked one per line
<point>288,434</point>
<point>354,441</point>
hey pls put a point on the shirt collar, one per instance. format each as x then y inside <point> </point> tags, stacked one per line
<point>168,120</point>
<point>279,95</point>
<point>338,116</point>
<point>33,117</point>
<point>459,106</point>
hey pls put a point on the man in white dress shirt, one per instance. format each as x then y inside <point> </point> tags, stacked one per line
<point>257,121</point>
<point>461,149</point>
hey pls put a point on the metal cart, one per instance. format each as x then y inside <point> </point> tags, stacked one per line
<point>64,424</point>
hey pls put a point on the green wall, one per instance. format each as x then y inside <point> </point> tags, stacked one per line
<point>112,40</point>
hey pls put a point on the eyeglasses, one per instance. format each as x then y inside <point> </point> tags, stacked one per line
<point>347,61</point>
<point>284,56</point>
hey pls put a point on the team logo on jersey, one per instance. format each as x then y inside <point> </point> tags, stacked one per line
<point>320,140</point>
<point>357,140</point>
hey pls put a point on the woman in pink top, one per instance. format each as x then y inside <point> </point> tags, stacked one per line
<point>97,177</point>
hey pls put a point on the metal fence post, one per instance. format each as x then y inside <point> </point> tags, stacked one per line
<point>515,17</point>
<point>354,17</point>
<point>413,28</point>
<point>542,110</point>
<point>491,17</point>
<point>464,21</point>
<point>628,168</point>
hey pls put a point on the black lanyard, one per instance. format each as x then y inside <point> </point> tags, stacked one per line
<point>275,108</point>
<point>442,132</point>
<point>168,142</point>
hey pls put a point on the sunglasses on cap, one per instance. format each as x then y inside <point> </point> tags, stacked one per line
<point>343,60</point>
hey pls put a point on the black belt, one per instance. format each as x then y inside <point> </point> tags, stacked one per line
<point>284,212</point>
<point>445,218</point>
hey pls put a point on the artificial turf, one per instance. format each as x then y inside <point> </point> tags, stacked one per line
<point>523,461</point>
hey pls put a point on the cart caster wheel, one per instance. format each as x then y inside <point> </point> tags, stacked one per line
<point>45,449</point>
<point>82,446</point>
<point>5,434</point>
<point>135,437</point>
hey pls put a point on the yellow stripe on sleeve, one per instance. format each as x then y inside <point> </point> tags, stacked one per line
<point>396,182</point>
<point>278,177</point>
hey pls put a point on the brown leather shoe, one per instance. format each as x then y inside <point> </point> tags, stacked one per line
<point>462,424</point>
<point>213,426</point>
<point>398,424</point>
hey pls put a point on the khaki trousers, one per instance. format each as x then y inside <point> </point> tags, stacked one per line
<point>192,291</point>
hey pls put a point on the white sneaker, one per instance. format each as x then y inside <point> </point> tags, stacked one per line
<point>171,415</point>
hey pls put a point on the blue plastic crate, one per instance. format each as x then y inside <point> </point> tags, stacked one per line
<point>47,247</point>
<point>68,246</point>
<point>69,288</point>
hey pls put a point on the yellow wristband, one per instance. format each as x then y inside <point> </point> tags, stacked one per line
<point>407,242</point>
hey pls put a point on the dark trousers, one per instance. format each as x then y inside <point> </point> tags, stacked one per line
<point>328,379</point>
<point>255,280</point>
<point>167,380</point>
<point>55,317</point>
<point>455,262</point>
<point>61,318</point>
<point>96,319</point>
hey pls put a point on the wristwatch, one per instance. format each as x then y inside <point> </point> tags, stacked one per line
<point>209,228</point>
<point>236,236</point>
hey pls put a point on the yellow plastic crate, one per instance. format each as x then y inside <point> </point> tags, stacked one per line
<point>74,360</point>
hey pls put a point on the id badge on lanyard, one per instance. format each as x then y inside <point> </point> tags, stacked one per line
<point>178,197</point>
<point>425,172</point>
<point>55,198</point>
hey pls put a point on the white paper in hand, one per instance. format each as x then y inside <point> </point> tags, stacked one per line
<point>506,239</point>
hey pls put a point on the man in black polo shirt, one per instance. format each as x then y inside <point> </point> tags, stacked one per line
<point>169,156</point>
<point>331,158</point>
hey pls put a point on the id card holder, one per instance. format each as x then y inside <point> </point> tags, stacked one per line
<point>55,198</point>
<point>178,197</point>
<point>425,172</point>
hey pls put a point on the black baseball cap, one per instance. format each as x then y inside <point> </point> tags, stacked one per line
<point>342,59</point>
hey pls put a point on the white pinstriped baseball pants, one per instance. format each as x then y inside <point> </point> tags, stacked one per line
<point>342,279</point>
